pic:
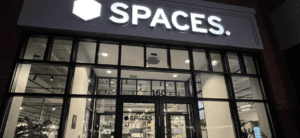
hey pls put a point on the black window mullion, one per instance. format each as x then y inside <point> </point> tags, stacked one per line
<point>233,106</point>
<point>24,42</point>
<point>242,64</point>
<point>136,86</point>
<point>208,57</point>
<point>74,51</point>
<point>48,50</point>
<point>97,51</point>
<point>119,70</point>
<point>145,56</point>
<point>169,57</point>
<point>119,118</point>
<point>226,64</point>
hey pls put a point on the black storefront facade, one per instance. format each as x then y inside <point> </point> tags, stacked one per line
<point>99,69</point>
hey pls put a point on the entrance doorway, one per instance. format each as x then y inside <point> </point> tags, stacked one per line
<point>157,118</point>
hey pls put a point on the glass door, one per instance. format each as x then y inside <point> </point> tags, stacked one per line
<point>155,119</point>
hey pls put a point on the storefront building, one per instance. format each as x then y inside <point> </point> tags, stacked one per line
<point>144,69</point>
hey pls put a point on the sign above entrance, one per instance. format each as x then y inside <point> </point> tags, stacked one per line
<point>151,21</point>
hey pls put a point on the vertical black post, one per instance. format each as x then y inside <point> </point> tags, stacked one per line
<point>169,57</point>
<point>48,50</point>
<point>119,69</point>
<point>242,63</point>
<point>208,57</point>
<point>145,55</point>
<point>97,52</point>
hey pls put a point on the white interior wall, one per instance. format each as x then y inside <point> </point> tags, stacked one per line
<point>217,114</point>
<point>213,86</point>
<point>78,105</point>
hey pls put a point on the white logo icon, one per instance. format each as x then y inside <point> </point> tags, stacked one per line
<point>87,9</point>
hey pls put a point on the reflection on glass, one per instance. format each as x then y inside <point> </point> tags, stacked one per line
<point>33,117</point>
<point>35,48</point>
<point>250,66</point>
<point>211,86</point>
<point>178,120</point>
<point>46,79</point>
<point>157,57</point>
<point>180,59</point>
<point>247,88</point>
<point>61,50</point>
<point>216,62</point>
<point>144,87</point>
<point>253,120</point>
<point>90,80</point>
<point>215,120</point>
<point>128,87</point>
<point>234,64</point>
<point>170,88</point>
<point>108,54</point>
<point>200,62</point>
<point>86,52</point>
<point>132,55</point>
<point>163,83</point>
<point>138,120</point>
<point>104,122</point>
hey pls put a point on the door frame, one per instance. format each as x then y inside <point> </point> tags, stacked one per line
<point>159,113</point>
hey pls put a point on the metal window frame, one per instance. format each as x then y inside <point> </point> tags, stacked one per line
<point>5,107</point>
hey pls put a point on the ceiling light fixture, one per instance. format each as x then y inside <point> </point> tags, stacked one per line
<point>53,109</point>
<point>108,71</point>
<point>187,61</point>
<point>245,109</point>
<point>104,54</point>
<point>245,106</point>
<point>51,78</point>
<point>90,99</point>
<point>175,75</point>
<point>214,62</point>
<point>21,108</point>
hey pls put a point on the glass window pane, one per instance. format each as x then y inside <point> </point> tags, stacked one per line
<point>180,89</point>
<point>211,86</point>
<point>170,88</point>
<point>250,66</point>
<point>246,88</point>
<point>253,119</point>
<point>108,54</point>
<point>216,62</point>
<point>35,78</point>
<point>200,62</point>
<point>33,117</point>
<point>132,55</point>
<point>215,120</point>
<point>129,87</point>
<point>35,49</point>
<point>180,59</point>
<point>94,81</point>
<point>86,52</point>
<point>144,87</point>
<point>89,116</point>
<point>61,50</point>
<point>163,83</point>
<point>157,57</point>
<point>234,64</point>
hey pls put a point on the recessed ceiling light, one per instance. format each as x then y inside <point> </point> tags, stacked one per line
<point>245,109</point>
<point>104,54</point>
<point>175,75</point>
<point>214,62</point>
<point>108,71</point>
<point>53,108</point>
<point>90,99</point>
<point>112,82</point>
<point>21,108</point>
<point>187,61</point>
